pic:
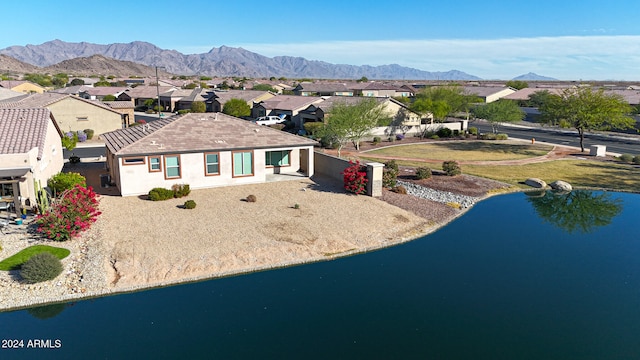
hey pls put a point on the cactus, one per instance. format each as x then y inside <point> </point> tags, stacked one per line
<point>42,198</point>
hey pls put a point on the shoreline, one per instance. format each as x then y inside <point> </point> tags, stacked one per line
<point>28,294</point>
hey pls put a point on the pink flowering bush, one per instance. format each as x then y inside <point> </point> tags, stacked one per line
<point>355,178</point>
<point>69,215</point>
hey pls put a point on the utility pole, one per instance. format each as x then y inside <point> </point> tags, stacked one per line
<point>158,91</point>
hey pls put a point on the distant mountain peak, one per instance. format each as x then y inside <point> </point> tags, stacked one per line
<point>530,76</point>
<point>221,61</point>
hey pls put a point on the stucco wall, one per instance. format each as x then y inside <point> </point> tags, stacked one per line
<point>137,180</point>
<point>68,110</point>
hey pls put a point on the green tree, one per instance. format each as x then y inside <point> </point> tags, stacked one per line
<point>103,83</point>
<point>190,86</point>
<point>353,122</point>
<point>224,85</point>
<point>205,78</point>
<point>198,107</point>
<point>265,87</point>
<point>237,108</point>
<point>452,95</point>
<point>517,84</point>
<point>42,80</point>
<point>109,97</point>
<point>539,98</point>
<point>363,79</point>
<point>584,109</point>
<point>76,82</point>
<point>578,210</point>
<point>498,112</point>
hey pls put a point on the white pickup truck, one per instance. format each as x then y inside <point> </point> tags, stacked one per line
<point>269,120</point>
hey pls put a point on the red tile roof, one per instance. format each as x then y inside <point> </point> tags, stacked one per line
<point>198,132</point>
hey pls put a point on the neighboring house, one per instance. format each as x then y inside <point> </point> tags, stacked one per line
<point>6,94</point>
<point>397,111</point>
<point>98,93</point>
<point>139,94</point>
<point>168,99</point>
<point>489,94</point>
<point>202,150</point>
<point>217,99</point>
<point>125,108</point>
<point>377,89</point>
<point>322,89</point>
<point>71,90</point>
<point>72,113</point>
<point>197,94</point>
<point>287,105</point>
<point>30,151</point>
<point>22,86</point>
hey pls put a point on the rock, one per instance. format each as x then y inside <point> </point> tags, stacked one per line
<point>536,183</point>
<point>561,185</point>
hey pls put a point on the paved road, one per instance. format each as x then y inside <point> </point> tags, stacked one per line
<point>615,143</point>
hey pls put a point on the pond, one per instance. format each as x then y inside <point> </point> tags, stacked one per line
<point>517,277</point>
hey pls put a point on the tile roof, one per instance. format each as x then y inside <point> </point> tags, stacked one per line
<point>147,92</point>
<point>75,89</point>
<point>46,99</point>
<point>524,94</point>
<point>289,102</point>
<point>23,130</point>
<point>8,84</point>
<point>197,132</point>
<point>484,91</point>
<point>104,90</point>
<point>322,87</point>
<point>119,104</point>
<point>8,94</point>
<point>246,95</point>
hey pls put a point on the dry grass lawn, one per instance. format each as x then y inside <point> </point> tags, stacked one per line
<point>465,150</point>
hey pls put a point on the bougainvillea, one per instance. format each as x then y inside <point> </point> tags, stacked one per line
<point>72,213</point>
<point>355,178</point>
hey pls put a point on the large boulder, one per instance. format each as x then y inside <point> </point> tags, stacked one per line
<point>561,186</point>
<point>536,183</point>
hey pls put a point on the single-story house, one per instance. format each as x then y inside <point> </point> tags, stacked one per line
<point>139,94</point>
<point>30,151</point>
<point>322,89</point>
<point>98,93</point>
<point>203,150</point>
<point>397,111</point>
<point>489,94</point>
<point>217,99</point>
<point>195,95</point>
<point>72,113</point>
<point>125,108</point>
<point>377,89</point>
<point>169,99</point>
<point>288,106</point>
<point>22,86</point>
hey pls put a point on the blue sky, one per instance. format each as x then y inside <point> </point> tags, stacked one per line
<point>564,39</point>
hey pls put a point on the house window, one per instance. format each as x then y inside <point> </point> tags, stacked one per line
<point>82,118</point>
<point>211,164</point>
<point>277,158</point>
<point>154,164</point>
<point>133,161</point>
<point>6,190</point>
<point>172,166</point>
<point>242,163</point>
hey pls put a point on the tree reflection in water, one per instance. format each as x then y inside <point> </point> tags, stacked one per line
<point>578,210</point>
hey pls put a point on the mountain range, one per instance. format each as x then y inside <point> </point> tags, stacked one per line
<point>223,61</point>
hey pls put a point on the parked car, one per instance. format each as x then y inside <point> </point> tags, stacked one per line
<point>269,120</point>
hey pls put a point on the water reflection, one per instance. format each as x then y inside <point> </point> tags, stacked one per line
<point>578,210</point>
<point>47,311</point>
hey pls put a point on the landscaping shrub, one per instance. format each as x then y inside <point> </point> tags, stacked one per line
<point>65,181</point>
<point>41,267</point>
<point>473,130</point>
<point>444,132</point>
<point>15,261</point>
<point>502,136</point>
<point>72,213</point>
<point>296,206</point>
<point>312,127</point>
<point>82,137</point>
<point>189,204</point>
<point>636,159</point>
<point>434,137</point>
<point>183,111</point>
<point>355,178</point>
<point>251,198</point>
<point>158,194</point>
<point>423,173</point>
<point>451,168</point>
<point>390,174</point>
<point>399,137</point>
<point>376,140</point>
<point>456,132</point>
<point>399,190</point>
<point>89,133</point>
<point>180,190</point>
<point>626,158</point>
